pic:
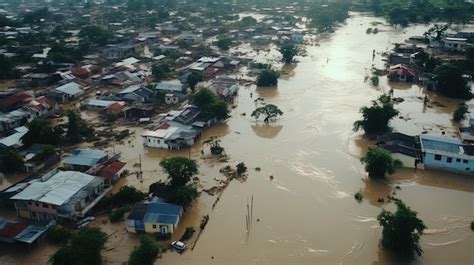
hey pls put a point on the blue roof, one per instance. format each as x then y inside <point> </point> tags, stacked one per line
<point>85,157</point>
<point>169,87</point>
<point>164,208</point>
<point>444,144</point>
<point>156,212</point>
<point>161,218</point>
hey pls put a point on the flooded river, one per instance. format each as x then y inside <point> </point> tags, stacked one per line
<point>307,213</point>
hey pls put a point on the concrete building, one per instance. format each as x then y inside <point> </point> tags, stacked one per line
<point>154,217</point>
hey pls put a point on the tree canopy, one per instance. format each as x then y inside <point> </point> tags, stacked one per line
<point>288,51</point>
<point>270,112</point>
<point>95,35</point>
<point>77,128</point>
<point>401,230</point>
<point>379,162</point>
<point>210,105</point>
<point>40,131</point>
<point>146,253</point>
<point>451,82</point>
<point>268,77</point>
<point>193,79</point>
<point>375,119</point>
<point>180,170</point>
<point>460,112</point>
<point>224,43</point>
<point>10,161</point>
<point>325,16</point>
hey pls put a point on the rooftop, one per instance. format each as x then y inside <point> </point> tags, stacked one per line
<point>156,212</point>
<point>85,157</point>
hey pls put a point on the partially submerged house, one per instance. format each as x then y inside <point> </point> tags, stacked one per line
<point>67,92</point>
<point>225,88</point>
<point>154,217</point>
<point>135,94</point>
<point>111,171</point>
<point>403,147</point>
<point>14,140</point>
<point>20,232</point>
<point>58,195</point>
<point>402,73</point>
<point>84,159</point>
<point>171,135</point>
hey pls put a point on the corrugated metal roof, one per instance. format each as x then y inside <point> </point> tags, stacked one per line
<point>56,190</point>
<point>85,157</point>
<point>70,89</point>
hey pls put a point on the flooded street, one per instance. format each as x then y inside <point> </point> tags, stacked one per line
<point>307,213</point>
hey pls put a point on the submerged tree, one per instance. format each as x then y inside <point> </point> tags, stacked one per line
<point>375,118</point>
<point>183,195</point>
<point>401,230</point>
<point>180,170</point>
<point>40,131</point>
<point>451,82</point>
<point>193,79</point>
<point>10,161</point>
<point>288,51</point>
<point>379,162</point>
<point>268,77</point>
<point>215,145</point>
<point>270,112</point>
<point>460,113</point>
<point>210,105</point>
<point>77,128</point>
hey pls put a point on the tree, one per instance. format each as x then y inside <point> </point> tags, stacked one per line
<point>160,71</point>
<point>7,68</point>
<point>248,21</point>
<point>375,118</point>
<point>95,35</point>
<point>224,44</point>
<point>401,230</point>
<point>437,32</point>
<point>210,105</point>
<point>40,131</point>
<point>10,161</point>
<point>451,82</point>
<point>59,235</point>
<point>460,113</point>
<point>128,195</point>
<point>214,144</point>
<point>180,170</point>
<point>77,128</point>
<point>146,253</point>
<point>288,51</point>
<point>84,249</point>
<point>268,77</point>
<point>324,17</point>
<point>378,162</point>
<point>35,17</point>
<point>241,168</point>
<point>183,195</point>
<point>193,79</point>
<point>270,111</point>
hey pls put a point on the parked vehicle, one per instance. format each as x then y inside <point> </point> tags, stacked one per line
<point>178,245</point>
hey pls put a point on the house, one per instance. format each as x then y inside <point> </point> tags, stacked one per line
<point>119,51</point>
<point>15,101</point>
<point>402,73</point>
<point>186,115</point>
<point>190,37</point>
<point>467,133</point>
<point>297,37</point>
<point>99,104</point>
<point>448,154</point>
<point>225,88</point>
<point>111,171</point>
<point>171,99</point>
<point>35,159</point>
<point>10,121</point>
<point>69,91</point>
<point>403,147</point>
<point>122,78</point>
<point>171,135</point>
<point>400,58</point>
<point>84,159</point>
<point>116,109</point>
<point>455,44</point>
<point>154,217</point>
<point>42,106</point>
<point>133,112</point>
<point>429,81</point>
<point>58,195</point>
<point>168,87</point>
<point>135,94</point>
<point>14,140</point>
<point>20,232</point>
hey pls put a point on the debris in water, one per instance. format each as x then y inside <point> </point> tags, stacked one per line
<point>257,169</point>
<point>271,177</point>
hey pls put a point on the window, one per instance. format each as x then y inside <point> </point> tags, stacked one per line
<point>458,160</point>
<point>149,140</point>
<point>464,161</point>
<point>30,203</point>
<point>468,169</point>
<point>437,157</point>
<point>449,159</point>
<point>37,204</point>
<point>45,205</point>
<point>154,226</point>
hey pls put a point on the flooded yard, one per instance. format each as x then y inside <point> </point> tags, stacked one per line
<point>306,213</point>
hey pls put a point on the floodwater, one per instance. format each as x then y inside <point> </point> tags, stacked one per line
<point>307,213</point>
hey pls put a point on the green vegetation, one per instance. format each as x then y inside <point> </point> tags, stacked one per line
<point>146,253</point>
<point>215,145</point>
<point>159,72</point>
<point>193,79</point>
<point>358,196</point>
<point>210,105</point>
<point>10,161</point>
<point>378,162</point>
<point>46,152</point>
<point>7,69</point>
<point>450,81</point>
<point>325,16</point>
<point>224,44</point>
<point>375,118</point>
<point>270,111</point>
<point>180,170</point>
<point>401,230</point>
<point>204,221</point>
<point>59,235</point>
<point>95,35</point>
<point>288,51</point>
<point>84,249</point>
<point>117,214</point>
<point>188,233</point>
<point>182,195</point>
<point>461,112</point>
<point>268,77</point>
<point>241,168</point>
<point>77,128</point>
<point>40,131</point>
<point>247,22</point>
<point>128,195</point>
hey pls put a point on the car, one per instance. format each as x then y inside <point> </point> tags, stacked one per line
<point>178,245</point>
<point>84,222</point>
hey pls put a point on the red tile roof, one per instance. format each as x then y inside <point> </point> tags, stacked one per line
<point>110,169</point>
<point>79,71</point>
<point>116,107</point>
<point>14,99</point>
<point>164,126</point>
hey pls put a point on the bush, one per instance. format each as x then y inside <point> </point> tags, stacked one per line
<point>128,195</point>
<point>204,221</point>
<point>268,78</point>
<point>460,112</point>
<point>59,235</point>
<point>358,196</point>
<point>241,168</point>
<point>146,253</point>
<point>188,233</point>
<point>117,215</point>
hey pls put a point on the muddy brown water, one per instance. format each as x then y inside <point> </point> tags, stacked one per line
<point>307,213</point>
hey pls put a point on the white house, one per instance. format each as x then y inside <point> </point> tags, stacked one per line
<point>455,44</point>
<point>171,99</point>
